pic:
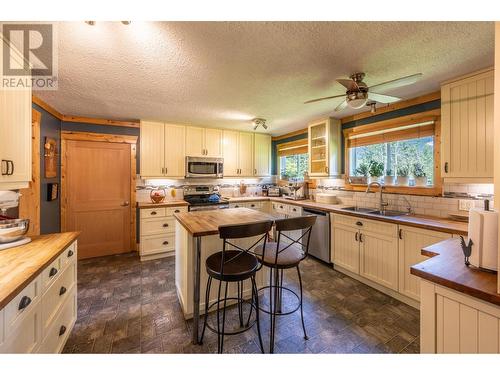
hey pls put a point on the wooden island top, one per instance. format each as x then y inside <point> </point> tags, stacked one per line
<point>20,265</point>
<point>446,267</point>
<point>206,223</point>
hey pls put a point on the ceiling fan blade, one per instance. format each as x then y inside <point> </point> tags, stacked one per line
<point>325,98</point>
<point>397,82</point>
<point>381,98</point>
<point>349,84</point>
<point>341,106</point>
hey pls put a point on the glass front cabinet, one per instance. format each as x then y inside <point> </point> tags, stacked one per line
<point>324,144</point>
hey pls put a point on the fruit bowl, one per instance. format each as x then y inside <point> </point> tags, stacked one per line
<point>157,195</point>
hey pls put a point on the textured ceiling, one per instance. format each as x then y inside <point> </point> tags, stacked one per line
<point>223,74</point>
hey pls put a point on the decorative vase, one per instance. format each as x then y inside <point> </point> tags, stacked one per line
<point>388,180</point>
<point>421,181</point>
<point>403,180</point>
<point>157,195</point>
<point>373,179</point>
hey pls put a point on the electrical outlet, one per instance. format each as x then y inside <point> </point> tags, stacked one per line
<point>465,204</point>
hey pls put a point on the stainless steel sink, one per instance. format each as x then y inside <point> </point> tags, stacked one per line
<point>359,209</point>
<point>389,213</point>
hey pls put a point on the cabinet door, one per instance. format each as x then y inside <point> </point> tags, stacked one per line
<point>152,149</point>
<point>318,148</point>
<point>262,155</point>
<point>195,141</point>
<point>379,258</point>
<point>411,241</point>
<point>213,143</point>
<point>245,154</point>
<point>15,136</point>
<point>467,127</point>
<point>345,252</point>
<point>175,154</point>
<point>230,153</point>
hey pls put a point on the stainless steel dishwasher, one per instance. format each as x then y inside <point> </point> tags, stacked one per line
<point>319,245</point>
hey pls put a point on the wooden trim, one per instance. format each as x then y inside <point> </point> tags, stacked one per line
<point>54,112</point>
<point>394,106</point>
<point>29,201</point>
<point>392,136</point>
<point>288,135</point>
<point>97,137</point>
<point>101,121</point>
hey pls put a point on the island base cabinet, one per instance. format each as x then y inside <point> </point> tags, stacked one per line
<point>26,335</point>
<point>452,322</point>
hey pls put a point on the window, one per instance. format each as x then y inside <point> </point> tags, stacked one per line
<point>293,166</point>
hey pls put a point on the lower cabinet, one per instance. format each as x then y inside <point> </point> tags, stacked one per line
<point>41,317</point>
<point>346,247</point>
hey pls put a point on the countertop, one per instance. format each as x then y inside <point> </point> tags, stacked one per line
<point>20,265</point>
<point>206,223</point>
<point>446,267</point>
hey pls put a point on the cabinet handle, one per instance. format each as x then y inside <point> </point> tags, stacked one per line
<point>177,211</point>
<point>25,301</point>
<point>326,169</point>
<point>400,234</point>
<point>53,272</point>
<point>361,237</point>
<point>359,223</point>
<point>356,236</point>
<point>6,163</point>
<point>62,291</point>
<point>252,205</point>
<point>165,242</point>
<point>446,167</point>
<point>165,225</point>
<point>255,171</point>
<point>62,330</point>
<point>153,213</point>
<point>70,253</point>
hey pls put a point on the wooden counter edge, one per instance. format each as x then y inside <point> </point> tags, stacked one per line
<point>179,203</point>
<point>5,301</point>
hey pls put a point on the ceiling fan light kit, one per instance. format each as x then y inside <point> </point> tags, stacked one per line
<point>259,122</point>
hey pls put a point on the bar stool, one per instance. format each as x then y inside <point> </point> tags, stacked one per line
<point>285,253</point>
<point>235,265</point>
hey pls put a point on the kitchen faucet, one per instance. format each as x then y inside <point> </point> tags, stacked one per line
<point>382,204</point>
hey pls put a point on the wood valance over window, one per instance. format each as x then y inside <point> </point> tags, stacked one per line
<point>293,148</point>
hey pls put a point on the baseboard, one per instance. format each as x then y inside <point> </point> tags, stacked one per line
<point>156,256</point>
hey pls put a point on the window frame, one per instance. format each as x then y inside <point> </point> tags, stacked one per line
<point>433,115</point>
<point>287,149</point>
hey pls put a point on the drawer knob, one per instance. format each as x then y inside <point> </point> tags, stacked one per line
<point>177,211</point>
<point>253,205</point>
<point>165,225</point>
<point>62,330</point>
<point>359,223</point>
<point>53,272</point>
<point>153,212</point>
<point>165,242</point>
<point>70,253</point>
<point>25,301</point>
<point>62,291</point>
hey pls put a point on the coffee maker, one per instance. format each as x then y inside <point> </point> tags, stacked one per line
<point>296,191</point>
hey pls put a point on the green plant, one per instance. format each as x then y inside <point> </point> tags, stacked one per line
<point>418,170</point>
<point>376,169</point>
<point>403,170</point>
<point>388,172</point>
<point>362,170</point>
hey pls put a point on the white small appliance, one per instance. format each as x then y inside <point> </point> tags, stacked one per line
<point>483,231</point>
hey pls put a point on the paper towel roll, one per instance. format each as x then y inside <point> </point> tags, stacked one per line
<point>483,231</point>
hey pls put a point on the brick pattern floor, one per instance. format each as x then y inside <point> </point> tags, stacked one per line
<point>125,306</point>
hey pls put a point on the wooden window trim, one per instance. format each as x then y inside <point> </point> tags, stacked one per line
<point>434,115</point>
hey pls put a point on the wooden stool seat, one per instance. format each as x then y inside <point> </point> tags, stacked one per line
<point>238,266</point>
<point>287,257</point>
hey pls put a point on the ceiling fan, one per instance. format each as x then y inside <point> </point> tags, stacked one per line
<point>358,93</point>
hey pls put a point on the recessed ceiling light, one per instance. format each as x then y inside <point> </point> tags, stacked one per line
<point>126,22</point>
<point>91,23</point>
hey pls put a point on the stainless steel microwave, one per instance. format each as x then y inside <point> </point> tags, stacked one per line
<point>197,167</point>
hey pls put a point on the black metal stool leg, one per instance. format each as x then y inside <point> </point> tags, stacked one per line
<point>301,308</point>
<point>218,317</point>
<point>207,303</point>
<point>251,310</point>
<point>223,319</point>
<point>255,294</point>
<point>271,327</point>
<point>240,302</point>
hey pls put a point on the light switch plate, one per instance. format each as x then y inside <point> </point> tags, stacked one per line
<point>465,204</point>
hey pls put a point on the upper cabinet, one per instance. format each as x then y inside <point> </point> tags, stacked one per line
<point>467,126</point>
<point>324,144</point>
<point>246,154</point>
<point>203,142</point>
<point>262,155</point>
<point>175,136</point>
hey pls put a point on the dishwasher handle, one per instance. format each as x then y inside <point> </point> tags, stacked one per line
<point>314,212</point>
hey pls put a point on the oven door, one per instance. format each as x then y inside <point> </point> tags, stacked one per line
<point>203,167</point>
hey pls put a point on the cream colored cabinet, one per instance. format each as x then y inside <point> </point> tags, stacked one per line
<point>203,142</point>
<point>345,252</point>
<point>245,154</point>
<point>411,242</point>
<point>238,154</point>
<point>324,145</point>
<point>162,149</point>
<point>262,155</point>
<point>467,126</point>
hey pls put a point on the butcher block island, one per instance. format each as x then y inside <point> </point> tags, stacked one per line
<point>196,238</point>
<point>38,294</point>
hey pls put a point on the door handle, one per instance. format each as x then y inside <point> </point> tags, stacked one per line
<point>6,164</point>
<point>356,236</point>
<point>400,234</point>
<point>361,237</point>
<point>11,163</point>
<point>446,167</point>
<point>125,204</point>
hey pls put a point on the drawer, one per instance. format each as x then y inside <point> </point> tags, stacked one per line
<point>157,244</point>
<point>367,225</point>
<point>50,273</point>
<point>255,205</point>
<point>280,207</point>
<point>14,313</point>
<point>26,334</point>
<point>153,212</point>
<point>59,330</point>
<point>57,294</point>
<point>238,205</point>
<point>69,255</point>
<point>157,226</point>
<point>170,211</point>
<point>294,210</point>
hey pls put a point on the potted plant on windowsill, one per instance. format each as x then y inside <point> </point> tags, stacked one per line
<point>419,175</point>
<point>388,178</point>
<point>403,172</point>
<point>376,170</point>
<point>361,174</point>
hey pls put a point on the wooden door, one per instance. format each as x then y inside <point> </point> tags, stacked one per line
<point>195,143</point>
<point>245,154</point>
<point>152,149</point>
<point>345,248</point>
<point>230,153</point>
<point>262,155</point>
<point>213,143</point>
<point>411,242</point>
<point>175,154</point>
<point>97,194</point>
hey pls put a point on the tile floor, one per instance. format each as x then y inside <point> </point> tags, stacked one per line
<point>125,306</point>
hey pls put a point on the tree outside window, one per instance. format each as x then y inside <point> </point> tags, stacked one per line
<point>294,166</point>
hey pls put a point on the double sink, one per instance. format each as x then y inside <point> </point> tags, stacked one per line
<point>371,211</point>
